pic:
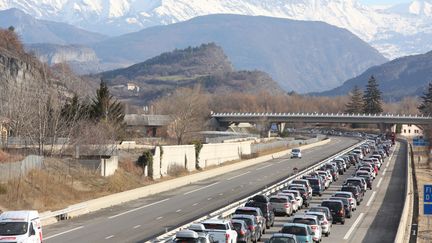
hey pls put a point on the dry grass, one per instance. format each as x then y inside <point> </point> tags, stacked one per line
<point>177,170</point>
<point>6,157</point>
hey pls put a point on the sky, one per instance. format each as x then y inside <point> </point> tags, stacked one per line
<point>380,2</point>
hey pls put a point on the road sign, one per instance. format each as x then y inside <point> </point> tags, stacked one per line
<point>427,199</point>
<point>420,142</point>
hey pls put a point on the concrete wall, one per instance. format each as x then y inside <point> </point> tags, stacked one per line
<point>218,153</point>
<point>182,156</point>
<point>13,170</point>
<point>109,166</point>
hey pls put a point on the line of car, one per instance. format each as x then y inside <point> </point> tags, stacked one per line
<point>250,222</point>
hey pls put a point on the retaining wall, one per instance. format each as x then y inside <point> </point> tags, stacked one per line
<point>16,169</point>
<point>109,166</point>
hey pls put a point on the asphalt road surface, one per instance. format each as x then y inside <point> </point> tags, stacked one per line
<point>148,217</point>
<point>377,218</point>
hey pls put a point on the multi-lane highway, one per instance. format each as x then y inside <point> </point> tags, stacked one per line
<point>377,218</point>
<point>148,217</point>
<point>143,219</point>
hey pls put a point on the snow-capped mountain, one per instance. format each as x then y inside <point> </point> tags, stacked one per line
<point>395,31</point>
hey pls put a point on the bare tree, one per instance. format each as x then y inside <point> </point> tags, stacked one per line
<point>188,109</point>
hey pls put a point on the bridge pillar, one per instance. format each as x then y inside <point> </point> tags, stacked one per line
<point>281,127</point>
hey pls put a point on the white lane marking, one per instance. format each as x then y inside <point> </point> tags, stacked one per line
<point>220,194</point>
<point>208,199</point>
<point>238,176</point>
<point>204,187</point>
<point>139,208</point>
<point>385,170</point>
<point>280,162</point>
<point>109,237</point>
<point>195,204</point>
<point>379,182</point>
<point>62,233</point>
<point>137,226</point>
<point>346,237</point>
<point>264,167</point>
<point>178,211</point>
<point>159,218</point>
<point>371,199</point>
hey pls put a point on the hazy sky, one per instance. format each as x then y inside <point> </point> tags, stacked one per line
<point>377,2</point>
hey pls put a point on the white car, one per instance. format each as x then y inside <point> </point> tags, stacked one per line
<point>296,153</point>
<point>295,204</point>
<point>325,223</point>
<point>20,226</point>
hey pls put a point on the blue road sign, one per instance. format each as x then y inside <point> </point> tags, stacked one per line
<point>427,193</point>
<point>427,199</point>
<point>420,142</point>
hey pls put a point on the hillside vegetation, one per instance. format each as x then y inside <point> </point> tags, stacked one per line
<point>206,65</point>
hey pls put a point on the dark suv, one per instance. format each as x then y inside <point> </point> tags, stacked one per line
<point>356,191</point>
<point>337,210</point>
<point>317,189</point>
<point>263,202</point>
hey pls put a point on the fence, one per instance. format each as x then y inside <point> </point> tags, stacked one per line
<point>16,169</point>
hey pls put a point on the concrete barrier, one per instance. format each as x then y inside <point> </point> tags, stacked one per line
<point>109,166</point>
<point>404,229</point>
<point>126,196</point>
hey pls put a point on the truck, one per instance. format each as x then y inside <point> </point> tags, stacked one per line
<point>20,226</point>
<point>221,231</point>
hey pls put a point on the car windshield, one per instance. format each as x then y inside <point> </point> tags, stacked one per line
<point>237,226</point>
<point>278,200</point>
<point>342,195</point>
<point>295,230</point>
<point>186,240</point>
<point>214,226</point>
<point>333,206</point>
<point>314,181</point>
<point>304,221</point>
<point>320,216</point>
<point>296,150</point>
<point>248,221</point>
<point>13,228</point>
<point>281,240</point>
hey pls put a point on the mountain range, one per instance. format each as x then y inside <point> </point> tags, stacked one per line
<point>206,66</point>
<point>395,31</point>
<point>402,77</point>
<point>303,56</point>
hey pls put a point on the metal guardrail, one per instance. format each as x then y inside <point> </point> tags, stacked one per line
<point>63,213</point>
<point>315,114</point>
<point>404,227</point>
<point>229,209</point>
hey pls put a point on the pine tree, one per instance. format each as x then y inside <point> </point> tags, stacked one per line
<point>356,103</point>
<point>425,107</point>
<point>372,97</point>
<point>105,108</point>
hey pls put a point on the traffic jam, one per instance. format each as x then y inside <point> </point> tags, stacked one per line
<point>307,215</point>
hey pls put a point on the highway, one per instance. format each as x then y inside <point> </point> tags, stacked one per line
<point>146,218</point>
<point>377,218</point>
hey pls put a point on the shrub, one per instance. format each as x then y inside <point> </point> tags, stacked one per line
<point>146,159</point>
<point>176,170</point>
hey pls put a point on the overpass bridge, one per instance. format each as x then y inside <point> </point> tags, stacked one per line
<point>384,120</point>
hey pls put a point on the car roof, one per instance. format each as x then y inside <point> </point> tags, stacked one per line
<point>238,221</point>
<point>242,216</point>
<point>295,224</point>
<point>19,216</point>
<point>283,235</point>
<point>329,200</point>
<point>342,192</point>
<point>305,216</point>
<point>215,221</point>
<point>187,234</point>
<point>248,208</point>
<point>199,227</point>
<point>315,212</point>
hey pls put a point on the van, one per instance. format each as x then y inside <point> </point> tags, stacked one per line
<point>20,226</point>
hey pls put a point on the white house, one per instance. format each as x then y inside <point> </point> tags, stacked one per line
<point>133,87</point>
<point>409,130</point>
